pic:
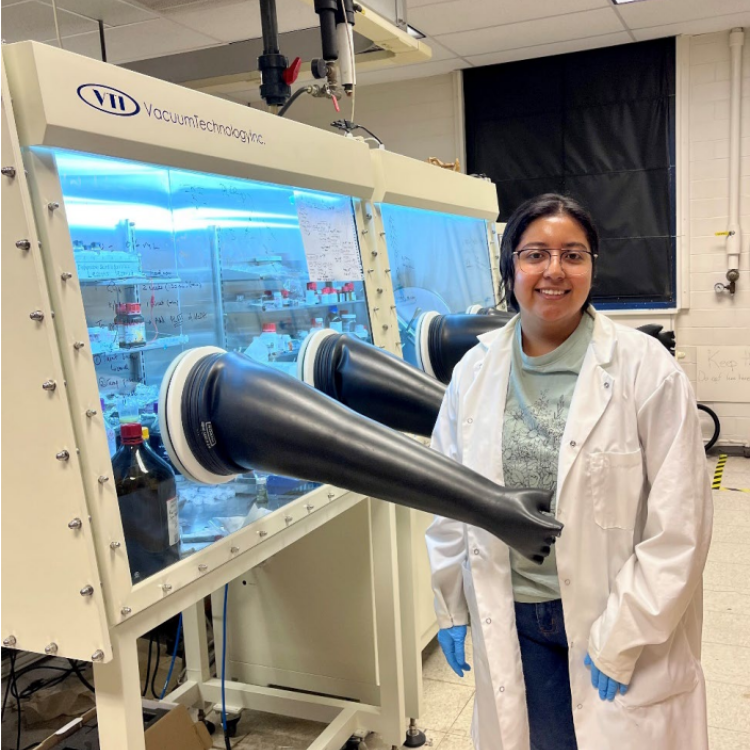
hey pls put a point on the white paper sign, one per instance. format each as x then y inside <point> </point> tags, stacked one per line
<point>329,236</point>
<point>723,373</point>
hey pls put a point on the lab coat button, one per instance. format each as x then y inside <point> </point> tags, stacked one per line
<point>580,705</point>
<point>573,443</point>
<point>606,385</point>
<point>502,689</point>
<point>488,621</point>
<point>476,551</point>
<point>469,420</point>
<point>567,581</point>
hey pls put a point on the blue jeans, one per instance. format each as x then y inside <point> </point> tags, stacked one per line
<point>544,654</point>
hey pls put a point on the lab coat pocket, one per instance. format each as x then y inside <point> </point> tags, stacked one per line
<point>662,672</point>
<point>615,481</point>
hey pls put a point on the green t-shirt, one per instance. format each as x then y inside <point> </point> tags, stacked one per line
<point>540,390</point>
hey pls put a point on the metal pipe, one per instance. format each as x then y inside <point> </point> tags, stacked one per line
<point>102,42</point>
<point>734,240</point>
<point>269,26</point>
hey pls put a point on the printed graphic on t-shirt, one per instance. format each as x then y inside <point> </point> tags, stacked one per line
<point>531,441</point>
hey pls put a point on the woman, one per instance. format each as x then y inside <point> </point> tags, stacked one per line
<point>598,648</point>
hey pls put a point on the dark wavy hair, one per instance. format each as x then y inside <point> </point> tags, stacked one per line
<point>549,204</point>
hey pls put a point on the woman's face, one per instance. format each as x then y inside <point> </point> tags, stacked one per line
<point>554,295</point>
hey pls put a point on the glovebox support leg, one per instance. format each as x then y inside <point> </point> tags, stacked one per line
<point>118,697</point>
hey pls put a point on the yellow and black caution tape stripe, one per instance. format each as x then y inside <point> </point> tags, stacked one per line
<point>719,474</point>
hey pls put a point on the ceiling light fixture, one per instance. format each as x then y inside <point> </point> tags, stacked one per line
<point>415,33</point>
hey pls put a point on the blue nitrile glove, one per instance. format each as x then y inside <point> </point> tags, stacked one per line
<point>606,686</point>
<point>452,640</point>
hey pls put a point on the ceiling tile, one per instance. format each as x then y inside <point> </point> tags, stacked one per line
<point>450,17</point>
<point>543,31</point>
<point>233,23</point>
<point>140,41</point>
<point>546,50</point>
<point>439,52</point>
<point>162,5</point>
<point>83,44</point>
<point>6,3</point>
<point>36,21</point>
<point>653,13</point>
<point>701,26</point>
<point>112,12</point>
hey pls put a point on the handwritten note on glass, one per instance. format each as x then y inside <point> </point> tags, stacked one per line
<point>723,373</point>
<point>329,236</point>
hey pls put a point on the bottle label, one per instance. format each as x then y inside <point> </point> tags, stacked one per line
<point>173,521</point>
<point>135,333</point>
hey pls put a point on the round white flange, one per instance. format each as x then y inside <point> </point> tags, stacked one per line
<point>170,405</point>
<point>307,352</point>
<point>422,340</point>
<point>473,309</point>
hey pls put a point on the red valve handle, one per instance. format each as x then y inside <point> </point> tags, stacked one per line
<point>290,74</point>
<point>336,103</point>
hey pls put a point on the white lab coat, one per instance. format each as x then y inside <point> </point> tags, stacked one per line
<point>635,499</point>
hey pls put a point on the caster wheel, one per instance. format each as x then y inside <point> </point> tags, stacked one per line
<point>210,726</point>
<point>232,727</point>
<point>415,738</point>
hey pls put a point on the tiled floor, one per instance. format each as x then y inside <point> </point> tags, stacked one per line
<point>448,699</point>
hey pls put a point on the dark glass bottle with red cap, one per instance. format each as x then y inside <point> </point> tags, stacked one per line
<point>147,495</point>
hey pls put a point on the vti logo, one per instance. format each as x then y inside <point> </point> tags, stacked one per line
<point>109,100</point>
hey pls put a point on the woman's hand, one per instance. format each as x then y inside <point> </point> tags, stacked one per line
<point>606,686</point>
<point>452,642</point>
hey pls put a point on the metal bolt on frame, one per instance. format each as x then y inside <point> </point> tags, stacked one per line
<point>49,385</point>
<point>262,534</point>
<point>23,244</point>
<point>166,587</point>
<point>50,649</point>
<point>11,172</point>
<point>234,550</point>
<point>288,520</point>
<point>91,413</point>
<point>62,455</point>
<point>66,275</point>
<point>114,546</point>
<point>37,315</point>
<point>125,611</point>
<point>75,524</point>
<point>102,479</point>
<point>309,508</point>
<point>87,590</point>
<point>9,641</point>
<point>78,345</point>
<point>98,655</point>
<point>203,567</point>
<point>53,205</point>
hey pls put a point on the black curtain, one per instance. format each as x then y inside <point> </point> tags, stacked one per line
<point>599,126</point>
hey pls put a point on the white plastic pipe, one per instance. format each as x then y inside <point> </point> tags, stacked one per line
<point>734,241</point>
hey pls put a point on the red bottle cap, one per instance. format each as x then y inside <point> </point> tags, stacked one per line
<point>269,328</point>
<point>312,285</point>
<point>131,433</point>
<point>134,308</point>
<point>121,308</point>
<point>285,293</point>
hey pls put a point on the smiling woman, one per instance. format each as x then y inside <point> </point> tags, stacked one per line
<point>562,399</point>
<point>547,259</point>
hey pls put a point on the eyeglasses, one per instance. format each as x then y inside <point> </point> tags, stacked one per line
<point>538,259</point>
